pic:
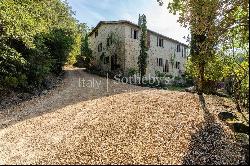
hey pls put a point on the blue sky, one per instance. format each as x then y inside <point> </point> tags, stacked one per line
<point>158,18</point>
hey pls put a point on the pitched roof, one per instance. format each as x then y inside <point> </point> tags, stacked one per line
<point>130,23</point>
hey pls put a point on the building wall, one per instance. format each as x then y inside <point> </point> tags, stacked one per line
<point>130,50</point>
<point>103,33</point>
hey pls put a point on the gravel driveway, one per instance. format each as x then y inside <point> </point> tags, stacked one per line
<point>118,124</point>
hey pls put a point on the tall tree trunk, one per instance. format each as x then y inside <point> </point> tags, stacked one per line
<point>196,42</point>
<point>201,80</point>
<point>195,51</point>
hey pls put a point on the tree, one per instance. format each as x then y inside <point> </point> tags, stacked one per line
<point>79,35</point>
<point>84,59</point>
<point>36,38</point>
<point>142,59</point>
<point>59,42</point>
<point>235,52</point>
<point>200,16</point>
<point>208,21</point>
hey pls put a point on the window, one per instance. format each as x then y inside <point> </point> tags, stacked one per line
<point>106,60</point>
<point>134,33</point>
<point>177,65</point>
<point>166,67</point>
<point>159,61</point>
<point>96,33</point>
<point>109,41</point>
<point>160,42</point>
<point>100,47</point>
<point>185,52</point>
<point>178,48</point>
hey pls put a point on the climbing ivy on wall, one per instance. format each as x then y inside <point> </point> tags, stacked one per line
<point>173,59</point>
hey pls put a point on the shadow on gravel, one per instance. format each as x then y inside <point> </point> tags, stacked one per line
<point>210,146</point>
<point>10,98</point>
<point>65,96</point>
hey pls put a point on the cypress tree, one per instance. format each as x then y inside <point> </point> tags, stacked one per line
<point>142,59</point>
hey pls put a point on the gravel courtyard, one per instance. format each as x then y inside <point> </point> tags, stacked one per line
<point>118,124</point>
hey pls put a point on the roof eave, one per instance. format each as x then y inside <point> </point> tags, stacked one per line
<point>130,23</point>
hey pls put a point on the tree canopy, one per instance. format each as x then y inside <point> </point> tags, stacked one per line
<point>36,38</point>
<point>219,40</point>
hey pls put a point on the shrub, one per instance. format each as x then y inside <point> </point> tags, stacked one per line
<point>85,57</point>
<point>159,74</point>
<point>59,43</point>
<point>32,43</point>
<point>177,78</point>
<point>75,51</point>
<point>169,76</point>
<point>132,71</point>
<point>39,61</point>
<point>12,66</point>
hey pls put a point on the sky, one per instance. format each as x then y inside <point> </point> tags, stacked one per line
<point>158,17</point>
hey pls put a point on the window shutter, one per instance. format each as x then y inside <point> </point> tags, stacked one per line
<point>131,33</point>
<point>157,41</point>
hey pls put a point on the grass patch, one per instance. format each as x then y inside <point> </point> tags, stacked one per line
<point>175,88</point>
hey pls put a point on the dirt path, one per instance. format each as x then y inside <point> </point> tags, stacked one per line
<point>72,91</point>
<point>122,125</point>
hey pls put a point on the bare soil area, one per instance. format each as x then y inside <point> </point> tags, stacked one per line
<point>114,123</point>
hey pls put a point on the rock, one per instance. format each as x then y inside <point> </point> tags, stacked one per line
<point>246,149</point>
<point>24,96</point>
<point>36,92</point>
<point>240,128</point>
<point>44,92</point>
<point>244,138</point>
<point>48,83</point>
<point>191,89</point>
<point>226,116</point>
<point>4,102</point>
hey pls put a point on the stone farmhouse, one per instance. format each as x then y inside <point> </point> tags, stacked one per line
<point>116,47</point>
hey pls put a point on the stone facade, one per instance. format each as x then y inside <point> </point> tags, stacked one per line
<point>165,55</point>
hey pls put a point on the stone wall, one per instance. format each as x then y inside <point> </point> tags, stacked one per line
<point>129,50</point>
<point>132,51</point>
<point>104,31</point>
